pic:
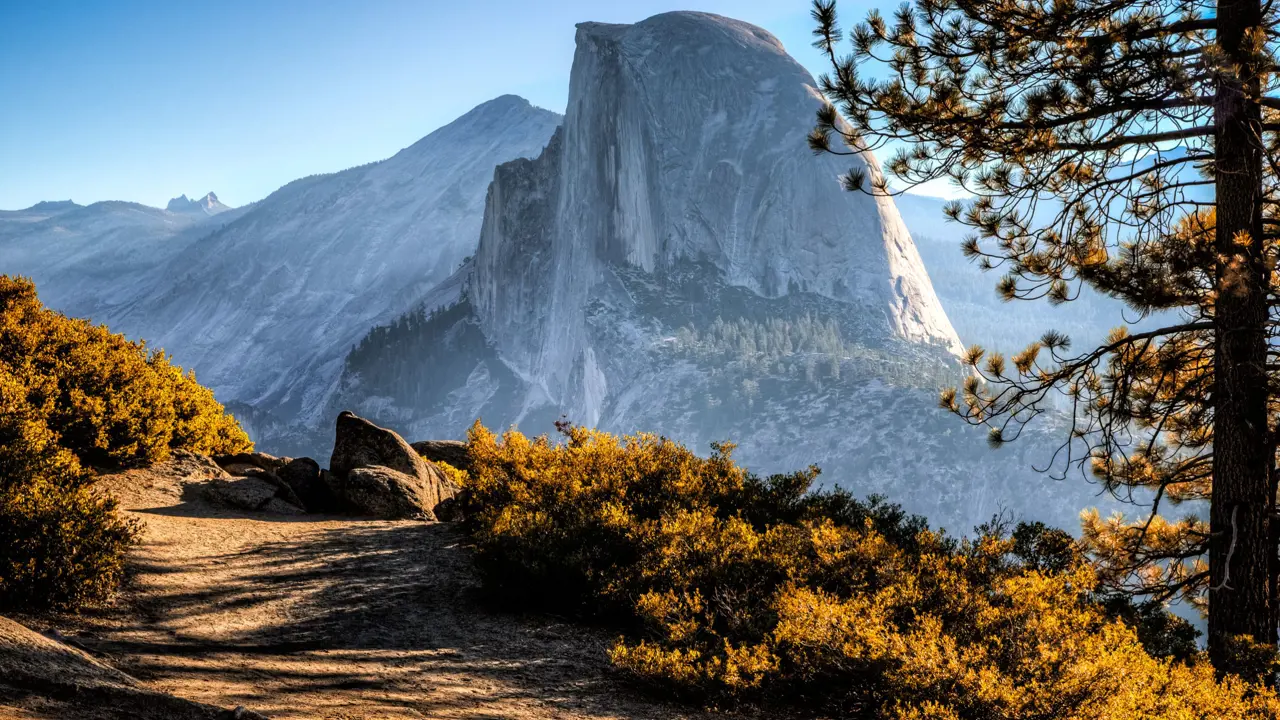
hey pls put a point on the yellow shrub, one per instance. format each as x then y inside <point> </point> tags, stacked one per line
<point>59,547</point>
<point>75,396</point>
<point>61,544</point>
<point>728,586</point>
<point>455,475</point>
<point>110,401</point>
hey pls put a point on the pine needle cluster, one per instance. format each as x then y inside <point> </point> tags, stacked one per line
<point>1130,147</point>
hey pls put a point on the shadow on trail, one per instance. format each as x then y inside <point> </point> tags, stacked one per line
<point>378,609</point>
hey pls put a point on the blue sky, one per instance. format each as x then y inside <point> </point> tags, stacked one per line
<point>145,100</point>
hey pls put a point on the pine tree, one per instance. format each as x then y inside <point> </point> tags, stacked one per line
<point>1128,146</point>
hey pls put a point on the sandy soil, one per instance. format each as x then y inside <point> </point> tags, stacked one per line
<point>324,617</point>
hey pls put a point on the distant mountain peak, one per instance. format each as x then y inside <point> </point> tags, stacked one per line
<point>492,117</point>
<point>498,108</point>
<point>503,101</point>
<point>52,206</point>
<point>209,205</point>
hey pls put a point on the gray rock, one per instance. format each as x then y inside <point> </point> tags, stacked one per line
<point>243,493</point>
<point>360,444</point>
<point>254,459</point>
<point>242,469</point>
<point>188,464</point>
<point>453,452</point>
<point>283,490</point>
<point>384,493</point>
<point>303,476</point>
<point>249,493</point>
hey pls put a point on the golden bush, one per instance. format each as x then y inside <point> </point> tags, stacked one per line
<point>110,401</point>
<point>728,586</point>
<point>74,396</point>
<point>61,544</point>
<point>457,476</point>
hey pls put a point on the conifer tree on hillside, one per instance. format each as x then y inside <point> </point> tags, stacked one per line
<point>1129,146</point>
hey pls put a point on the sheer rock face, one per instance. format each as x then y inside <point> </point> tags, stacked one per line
<point>684,139</point>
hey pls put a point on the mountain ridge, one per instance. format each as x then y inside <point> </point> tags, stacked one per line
<point>676,260</point>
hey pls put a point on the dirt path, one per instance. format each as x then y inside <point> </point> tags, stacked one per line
<point>334,618</point>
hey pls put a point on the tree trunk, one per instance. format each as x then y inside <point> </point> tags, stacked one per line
<point>1272,495</point>
<point>1240,550</point>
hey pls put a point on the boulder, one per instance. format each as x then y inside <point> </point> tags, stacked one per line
<point>250,493</point>
<point>387,494</point>
<point>243,469</point>
<point>453,452</point>
<point>303,476</point>
<point>360,444</point>
<point>184,463</point>
<point>256,459</point>
<point>283,490</point>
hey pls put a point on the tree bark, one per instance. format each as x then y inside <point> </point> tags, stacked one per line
<point>1272,494</point>
<point>1240,549</point>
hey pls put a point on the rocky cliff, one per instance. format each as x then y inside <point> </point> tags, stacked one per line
<point>684,140</point>
<point>677,261</point>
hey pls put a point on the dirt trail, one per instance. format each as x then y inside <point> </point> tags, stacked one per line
<point>334,618</point>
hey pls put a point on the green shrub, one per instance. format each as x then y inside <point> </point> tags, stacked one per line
<point>729,587</point>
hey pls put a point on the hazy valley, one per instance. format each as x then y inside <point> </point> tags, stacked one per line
<point>519,266</point>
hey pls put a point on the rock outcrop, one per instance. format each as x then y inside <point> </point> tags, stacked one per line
<point>262,460</point>
<point>51,678</point>
<point>374,472</point>
<point>684,140</point>
<point>255,494</point>
<point>303,476</point>
<point>208,205</point>
<point>453,452</point>
<point>360,443</point>
<point>384,493</point>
